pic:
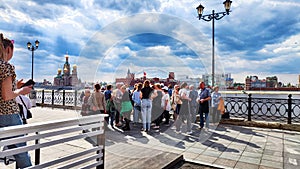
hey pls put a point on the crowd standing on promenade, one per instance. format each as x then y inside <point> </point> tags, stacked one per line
<point>149,103</point>
<point>152,105</point>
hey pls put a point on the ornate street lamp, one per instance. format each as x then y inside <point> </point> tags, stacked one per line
<point>32,49</point>
<point>212,17</point>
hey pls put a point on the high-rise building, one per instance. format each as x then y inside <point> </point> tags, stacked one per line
<point>222,80</point>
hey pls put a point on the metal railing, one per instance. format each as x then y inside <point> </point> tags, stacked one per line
<point>268,109</point>
<point>58,98</point>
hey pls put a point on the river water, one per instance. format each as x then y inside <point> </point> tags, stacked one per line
<point>262,94</point>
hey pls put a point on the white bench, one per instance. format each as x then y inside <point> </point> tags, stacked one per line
<point>54,136</point>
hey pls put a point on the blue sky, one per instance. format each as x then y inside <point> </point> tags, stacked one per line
<point>105,38</point>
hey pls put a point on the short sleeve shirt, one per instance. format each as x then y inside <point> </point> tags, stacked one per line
<point>215,99</point>
<point>183,91</point>
<point>146,91</point>
<point>9,106</point>
<point>203,94</point>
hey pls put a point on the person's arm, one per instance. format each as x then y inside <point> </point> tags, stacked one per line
<point>20,83</point>
<point>119,95</point>
<point>154,94</point>
<point>166,102</point>
<point>91,100</point>
<point>141,94</point>
<point>183,96</point>
<point>219,97</point>
<point>207,98</point>
<point>135,97</point>
<point>104,102</point>
<point>8,93</point>
<point>198,97</point>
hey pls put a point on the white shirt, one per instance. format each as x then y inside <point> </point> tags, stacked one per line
<point>27,102</point>
<point>183,92</point>
<point>163,101</point>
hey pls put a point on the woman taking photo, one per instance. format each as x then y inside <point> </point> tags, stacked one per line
<point>9,109</point>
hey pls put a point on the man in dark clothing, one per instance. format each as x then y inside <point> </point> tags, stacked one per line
<point>203,100</point>
<point>107,92</point>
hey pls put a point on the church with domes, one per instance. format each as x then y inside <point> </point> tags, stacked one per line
<point>66,77</point>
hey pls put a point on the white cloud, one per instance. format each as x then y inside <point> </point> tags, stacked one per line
<point>256,38</point>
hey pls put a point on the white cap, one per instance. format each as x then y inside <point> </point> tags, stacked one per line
<point>165,88</point>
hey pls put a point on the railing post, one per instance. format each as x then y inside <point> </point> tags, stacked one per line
<point>64,98</point>
<point>249,107</point>
<point>43,97</point>
<point>52,98</point>
<point>37,152</point>
<point>75,99</point>
<point>101,141</point>
<point>289,109</point>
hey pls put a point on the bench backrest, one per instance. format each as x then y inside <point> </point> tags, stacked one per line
<point>51,138</point>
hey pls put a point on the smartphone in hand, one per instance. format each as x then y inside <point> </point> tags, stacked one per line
<point>28,83</point>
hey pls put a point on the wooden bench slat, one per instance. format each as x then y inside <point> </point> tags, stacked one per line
<point>63,159</point>
<point>26,138</point>
<point>47,134</point>
<point>27,148</point>
<point>38,127</point>
<point>94,165</point>
<point>81,161</point>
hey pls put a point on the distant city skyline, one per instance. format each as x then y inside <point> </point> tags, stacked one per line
<point>104,38</point>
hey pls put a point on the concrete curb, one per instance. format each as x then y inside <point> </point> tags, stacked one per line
<point>261,124</point>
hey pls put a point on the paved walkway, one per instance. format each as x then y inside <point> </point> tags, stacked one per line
<point>222,146</point>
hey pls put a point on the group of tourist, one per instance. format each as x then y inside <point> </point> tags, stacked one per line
<point>152,104</point>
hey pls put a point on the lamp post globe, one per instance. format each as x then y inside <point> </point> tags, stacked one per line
<point>32,49</point>
<point>227,5</point>
<point>200,9</point>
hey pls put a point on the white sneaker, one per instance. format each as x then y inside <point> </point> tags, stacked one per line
<point>177,132</point>
<point>189,132</point>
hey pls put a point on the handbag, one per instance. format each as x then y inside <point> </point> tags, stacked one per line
<point>173,106</point>
<point>29,114</point>
<point>221,106</point>
<point>22,113</point>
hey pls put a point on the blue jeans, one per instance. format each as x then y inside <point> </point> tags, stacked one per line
<point>22,159</point>
<point>206,120</point>
<point>112,116</point>
<point>204,110</point>
<point>136,111</point>
<point>146,113</point>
